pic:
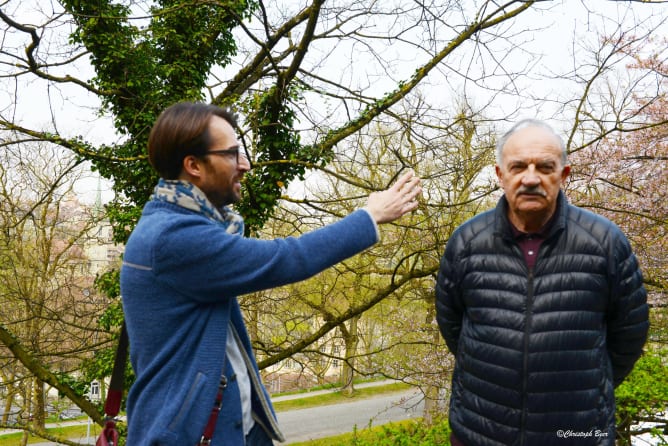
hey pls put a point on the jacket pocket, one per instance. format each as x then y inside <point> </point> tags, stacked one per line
<point>191,396</point>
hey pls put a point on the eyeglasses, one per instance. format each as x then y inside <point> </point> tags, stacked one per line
<point>238,154</point>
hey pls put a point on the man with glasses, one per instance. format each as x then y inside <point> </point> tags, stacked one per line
<point>184,266</point>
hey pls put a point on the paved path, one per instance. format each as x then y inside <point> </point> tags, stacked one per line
<point>325,421</point>
<point>304,424</point>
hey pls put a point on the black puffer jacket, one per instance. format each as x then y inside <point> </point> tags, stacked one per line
<point>539,352</point>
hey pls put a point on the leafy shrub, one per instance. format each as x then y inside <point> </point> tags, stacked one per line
<point>413,433</point>
<point>642,399</point>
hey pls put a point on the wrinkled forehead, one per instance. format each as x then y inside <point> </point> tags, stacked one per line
<point>532,143</point>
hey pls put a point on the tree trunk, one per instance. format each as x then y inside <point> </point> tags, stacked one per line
<point>351,341</point>
<point>8,407</point>
<point>39,408</point>
<point>431,404</point>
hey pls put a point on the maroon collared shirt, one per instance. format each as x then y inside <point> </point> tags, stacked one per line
<point>530,242</point>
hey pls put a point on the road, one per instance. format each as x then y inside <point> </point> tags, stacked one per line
<point>324,421</point>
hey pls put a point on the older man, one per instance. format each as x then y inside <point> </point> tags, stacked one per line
<point>543,306</point>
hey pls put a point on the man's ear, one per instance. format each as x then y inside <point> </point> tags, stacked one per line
<point>499,175</point>
<point>192,166</point>
<point>565,173</point>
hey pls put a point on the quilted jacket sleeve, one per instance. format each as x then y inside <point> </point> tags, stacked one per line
<point>449,310</point>
<point>628,316</point>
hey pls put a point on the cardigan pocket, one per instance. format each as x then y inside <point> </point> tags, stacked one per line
<point>186,406</point>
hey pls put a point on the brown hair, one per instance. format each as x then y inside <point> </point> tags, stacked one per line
<point>181,130</point>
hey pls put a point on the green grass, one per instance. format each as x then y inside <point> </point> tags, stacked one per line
<point>348,438</point>
<point>337,397</point>
<point>402,433</point>
<point>79,431</point>
<point>70,432</point>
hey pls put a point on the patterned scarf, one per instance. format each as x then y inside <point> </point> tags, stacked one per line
<point>189,196</point>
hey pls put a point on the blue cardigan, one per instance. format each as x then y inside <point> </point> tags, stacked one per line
<point>179,281</point>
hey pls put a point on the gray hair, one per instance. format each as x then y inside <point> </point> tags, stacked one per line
<point>501,142</point>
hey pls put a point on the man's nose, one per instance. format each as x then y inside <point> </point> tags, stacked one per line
<point>531,177</point>
<point>244,163</point>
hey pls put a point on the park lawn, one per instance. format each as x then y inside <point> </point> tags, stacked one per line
<point>77,432</point>
<point>337,397</point>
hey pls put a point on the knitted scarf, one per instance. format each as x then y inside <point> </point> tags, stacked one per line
<point>189,196</point>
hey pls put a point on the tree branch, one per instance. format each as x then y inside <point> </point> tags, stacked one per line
<point>42,373</point>
<point>379,106</point>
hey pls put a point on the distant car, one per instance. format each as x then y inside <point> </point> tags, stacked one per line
<point>69,414</point>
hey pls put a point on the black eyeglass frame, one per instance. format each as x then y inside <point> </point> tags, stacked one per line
<point>235,151</point>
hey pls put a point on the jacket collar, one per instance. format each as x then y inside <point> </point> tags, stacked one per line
<point>503,227</point>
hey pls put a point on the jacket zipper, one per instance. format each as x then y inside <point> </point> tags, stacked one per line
<point>525,357</point>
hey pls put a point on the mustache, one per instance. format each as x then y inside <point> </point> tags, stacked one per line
<point>533,190</point>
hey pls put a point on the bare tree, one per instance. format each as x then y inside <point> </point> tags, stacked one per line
<point>49,306</point>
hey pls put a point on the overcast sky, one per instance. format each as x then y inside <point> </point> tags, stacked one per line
<point>559,32</point>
